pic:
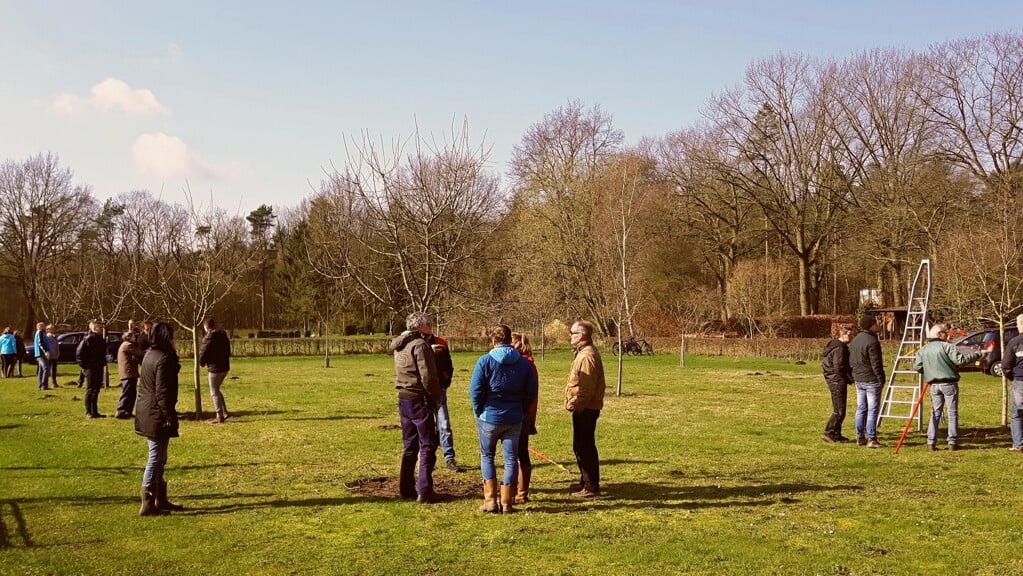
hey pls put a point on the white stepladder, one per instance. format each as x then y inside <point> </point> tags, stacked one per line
<point>902,394</point>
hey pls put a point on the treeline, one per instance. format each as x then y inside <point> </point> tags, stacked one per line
<point>805,183</point>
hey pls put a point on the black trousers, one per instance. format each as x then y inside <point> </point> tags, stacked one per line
<point>584,444</point>
<point>839,393</point>
<point>93,383</point>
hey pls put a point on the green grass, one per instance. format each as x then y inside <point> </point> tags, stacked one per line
<point>708,469</point>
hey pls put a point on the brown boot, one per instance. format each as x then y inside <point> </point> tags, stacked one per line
<point>149,507</point>
<point>490,505</point>
<point>525,473</point>
<point>507,498</point>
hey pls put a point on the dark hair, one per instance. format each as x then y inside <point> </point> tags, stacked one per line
<point>210,323</point>
<point>163,336</point>
<point>500,334</point>
<point>867,321</point>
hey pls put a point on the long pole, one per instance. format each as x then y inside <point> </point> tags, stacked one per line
<point>916,406</point>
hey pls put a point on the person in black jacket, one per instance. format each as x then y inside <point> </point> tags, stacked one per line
<point>92,358</point>
<point>838,376</point>
<point>868,375</point>
<point>156,416</point>
<point>1012,368</point>
<point>215,355</point>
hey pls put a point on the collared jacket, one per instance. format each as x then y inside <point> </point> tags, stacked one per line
<point>502,386</point>
<point>938,361</point>
<point>585,389</point>
<point>92,351</point>
<point>865,358</point>
<point>442,356</point>
<point>415,370</point>
<point>156,414</point>
<point>43,344</point>
<point>215,351</point>
<point>835,364</point>
<point>129,355</point>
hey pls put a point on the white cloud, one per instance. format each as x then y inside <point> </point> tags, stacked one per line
<point>66,104</point>
<point>172,55</point>
<point>168,156</point>
<point>111,94</point>
<point>114,93</point>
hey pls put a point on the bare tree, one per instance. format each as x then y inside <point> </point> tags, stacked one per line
<point>412,220</point>
<point>784,158</point>
<point>41,217</point>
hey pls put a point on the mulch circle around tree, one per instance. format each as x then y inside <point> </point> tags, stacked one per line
<point>454,487</point>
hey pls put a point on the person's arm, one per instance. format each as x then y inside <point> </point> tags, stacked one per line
<point>204,351</point>
<point>427,367</point>
<point>958,358</point>
<point>1009,358</point>
<point>478,388</point>
<point>876,361</point>
<point>580,384</point>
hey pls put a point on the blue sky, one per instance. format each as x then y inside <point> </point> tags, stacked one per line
<point>248,102</point>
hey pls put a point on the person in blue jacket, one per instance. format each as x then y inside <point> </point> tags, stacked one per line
<point>501,390</point>
<point>9,352</point>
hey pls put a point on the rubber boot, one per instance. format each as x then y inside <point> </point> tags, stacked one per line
<point>162,502</point>
<point>525,473</point>
<point>490,505</point>
<point>149,507</point>
<point>507,498</point>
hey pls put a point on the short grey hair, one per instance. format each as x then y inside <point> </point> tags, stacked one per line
<point>416,319</point>
<point>1019,322</point>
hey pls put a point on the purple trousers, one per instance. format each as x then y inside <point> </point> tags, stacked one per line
<point>419,437</point>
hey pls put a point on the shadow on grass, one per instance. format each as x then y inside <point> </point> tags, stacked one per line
<point>336,417</point>
<point>636,495</point>
<point>20,527</point>
<point>10,426</point>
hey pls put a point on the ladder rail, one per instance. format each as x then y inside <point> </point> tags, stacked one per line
<point>913,334</point>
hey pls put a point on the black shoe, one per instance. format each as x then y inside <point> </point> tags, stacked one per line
<point>861,441</point>
<point>453,466</point>
<point>122,415</point>
<point>98,415</point>
<point>841,438</point>
<point>428,498</point>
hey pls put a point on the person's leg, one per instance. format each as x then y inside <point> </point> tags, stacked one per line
<point>525,466</point>
<point>41,372</point>
<point>833,428</point>
<point>510,450</point>
<point>447,441</point>
<point>4,361</point>
<point>1017,415</point>
<point>426,425</point>
<point>937,403</point>
<point>488,446</point>
<point>409,452</point>
<point>951,392</point>
<point>53,373</point>
<point>584,427</point>
<point>153,476</point>
<point>860,419</point>
<point>94,380</point>
<point>216,380</point>
<point>873,405</point>
<point>126,403</point>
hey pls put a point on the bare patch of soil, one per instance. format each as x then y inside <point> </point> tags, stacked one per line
<point>448,487</point>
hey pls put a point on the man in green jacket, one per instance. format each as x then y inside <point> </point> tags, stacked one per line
<point>939,363</point>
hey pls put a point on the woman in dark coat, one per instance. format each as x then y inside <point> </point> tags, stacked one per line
<point>156,416</point>
<point>838,376</point>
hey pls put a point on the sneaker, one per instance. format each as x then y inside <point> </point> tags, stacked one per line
<point>953,447</point>
<point>453,466</point>
<point>1016,449</point>
<point>861,441</point>
<point>828,439</point>
<point>586,493</point>
<point>932,448</point>
<point>874,444</point>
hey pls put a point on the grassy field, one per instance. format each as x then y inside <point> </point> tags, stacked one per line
<point>715,468</point>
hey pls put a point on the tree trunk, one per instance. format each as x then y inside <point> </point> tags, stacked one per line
<point>196,376</point>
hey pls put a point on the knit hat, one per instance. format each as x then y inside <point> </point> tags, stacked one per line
<point>867,322</point>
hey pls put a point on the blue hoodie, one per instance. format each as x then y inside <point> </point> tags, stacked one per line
<point>502,386</point>
<point>7,344</point>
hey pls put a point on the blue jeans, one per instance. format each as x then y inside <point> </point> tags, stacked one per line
<point>1016,424</point>
<point>868,402</point>
<point>153,475</point>
<point>419,439</point>
<point>941,394</point>
<point>447,441</point>
<point>508,435</point>
<point>43,372</point>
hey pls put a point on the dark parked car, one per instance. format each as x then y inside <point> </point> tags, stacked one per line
<point>68,344</point>
<point>987,340</point>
